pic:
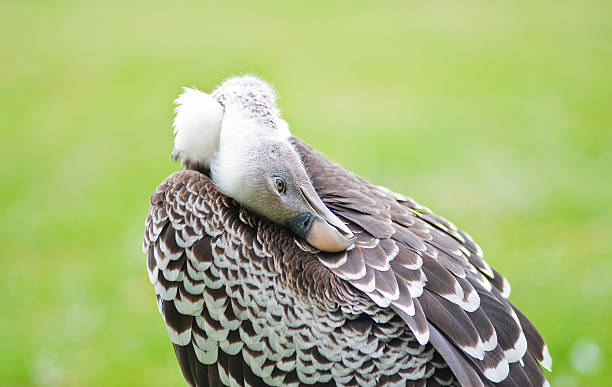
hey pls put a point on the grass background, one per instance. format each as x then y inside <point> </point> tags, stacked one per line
<point>494,114</point>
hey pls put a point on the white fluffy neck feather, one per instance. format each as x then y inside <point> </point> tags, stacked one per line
<point>197,126</point>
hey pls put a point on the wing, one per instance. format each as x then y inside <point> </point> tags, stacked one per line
<point>431,274</point>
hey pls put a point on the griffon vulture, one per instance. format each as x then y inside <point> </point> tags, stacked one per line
<point>273,265</point>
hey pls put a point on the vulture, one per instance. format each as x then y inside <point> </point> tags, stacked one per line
<point>274,266</point>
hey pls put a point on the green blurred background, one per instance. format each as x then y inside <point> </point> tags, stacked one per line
<point>497,115</point>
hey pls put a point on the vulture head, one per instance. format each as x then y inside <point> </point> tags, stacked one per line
<point>238,134</point>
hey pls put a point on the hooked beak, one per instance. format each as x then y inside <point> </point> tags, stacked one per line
<point>321,228</point>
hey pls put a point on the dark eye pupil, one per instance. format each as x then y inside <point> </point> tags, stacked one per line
<point>280,185</point>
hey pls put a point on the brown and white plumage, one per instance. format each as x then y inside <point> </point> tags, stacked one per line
<point>410,302</point>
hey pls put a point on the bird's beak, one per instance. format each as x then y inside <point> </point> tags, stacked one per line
<point>320,227</point>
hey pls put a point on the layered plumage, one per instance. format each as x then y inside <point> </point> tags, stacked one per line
<point>410,303</point>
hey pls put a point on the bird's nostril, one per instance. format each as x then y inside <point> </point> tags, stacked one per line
<point>300,224</point>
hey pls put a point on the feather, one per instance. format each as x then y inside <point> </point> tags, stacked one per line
<point>417,323</point>
<point>535,344</point>
<point>441,282</point>
<point>386,284</point>
<point>454,322</point>
<point>465,374</point>
<point>533,371</point>
<point>195,373</point>
<point>512,341</point>
<point>354,267</point>
<point>179,325</point>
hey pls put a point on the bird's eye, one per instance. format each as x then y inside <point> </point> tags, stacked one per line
<point>280,184</point>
